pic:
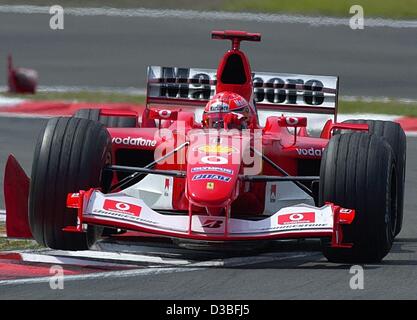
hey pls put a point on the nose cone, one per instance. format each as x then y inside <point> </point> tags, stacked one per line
<point>212,172</point>
<point>212,185</point>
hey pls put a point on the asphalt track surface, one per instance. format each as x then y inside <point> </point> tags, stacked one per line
<point>104,51</point>
<point>307,276</point>
<point>114,51</point>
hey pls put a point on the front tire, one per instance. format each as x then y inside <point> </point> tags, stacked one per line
<point>69,156</point>
<point>358,171</point>
<point>395,136</point>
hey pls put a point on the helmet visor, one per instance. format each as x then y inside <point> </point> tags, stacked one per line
<point>214,120</point>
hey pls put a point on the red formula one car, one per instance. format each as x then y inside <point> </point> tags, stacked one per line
<point>222,177</point>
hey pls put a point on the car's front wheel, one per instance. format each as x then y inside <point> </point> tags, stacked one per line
<point>358,171</point>
<point>70,155</point>
<point>395,137</point>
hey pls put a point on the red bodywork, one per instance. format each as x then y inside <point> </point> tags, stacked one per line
<point>213,163</point>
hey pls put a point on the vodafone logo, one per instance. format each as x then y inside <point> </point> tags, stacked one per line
<point>164,113</point>
<point>214,160</point>
<point>122,207</point>
<point>295,218</point>
<point>312,152</point>
<point>291,121</point>
<point>129,141</point>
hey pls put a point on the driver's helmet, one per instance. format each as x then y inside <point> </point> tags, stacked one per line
<point>227,110</point>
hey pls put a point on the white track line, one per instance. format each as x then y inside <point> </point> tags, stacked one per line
<point>154,271</point>
<point>101,275</point>
<point>211,15</point>
<point>128,90</point>
<point>73,258</point>
<point>251,260</point>
<point>24,115</point>
<point>142,91</point>
<point>117,257</point>
<point>42,258</point>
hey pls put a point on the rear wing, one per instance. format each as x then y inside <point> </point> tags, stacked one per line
<point>273,91</point>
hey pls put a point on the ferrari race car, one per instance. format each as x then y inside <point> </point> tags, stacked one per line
<point>216,176</point>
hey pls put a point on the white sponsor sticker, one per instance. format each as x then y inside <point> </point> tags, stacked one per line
<point>218,169</point>
<point>210,176</point>
<point>219,107</point>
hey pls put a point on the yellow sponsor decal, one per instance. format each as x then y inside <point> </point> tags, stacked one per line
<point>210,185</point>
<point>213,148</point>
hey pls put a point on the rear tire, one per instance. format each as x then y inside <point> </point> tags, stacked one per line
<point>69,156</point>
<point>108,121</point>
<point>358,172</point>
<point>395,136</point>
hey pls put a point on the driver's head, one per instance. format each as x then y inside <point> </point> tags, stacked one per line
<point>227,110</point>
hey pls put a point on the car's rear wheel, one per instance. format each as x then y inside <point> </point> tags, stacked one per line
<point>70,155</point>
<point>395,136</point>
<point>358,171</point>
<point>108,121</point>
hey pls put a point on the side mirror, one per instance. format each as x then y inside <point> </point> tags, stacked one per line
<point>163,114</point>
<point>292,122</point>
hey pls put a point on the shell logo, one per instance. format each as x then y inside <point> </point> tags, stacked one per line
<point>212,148</point>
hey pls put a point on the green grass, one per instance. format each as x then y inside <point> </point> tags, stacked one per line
<point>376,8</point>
<point>397,9</point>
<point>166,4</point>
<point>395,108</point>
<point>12,244</point>
<point>85,96</point>
<point>390,107</point>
